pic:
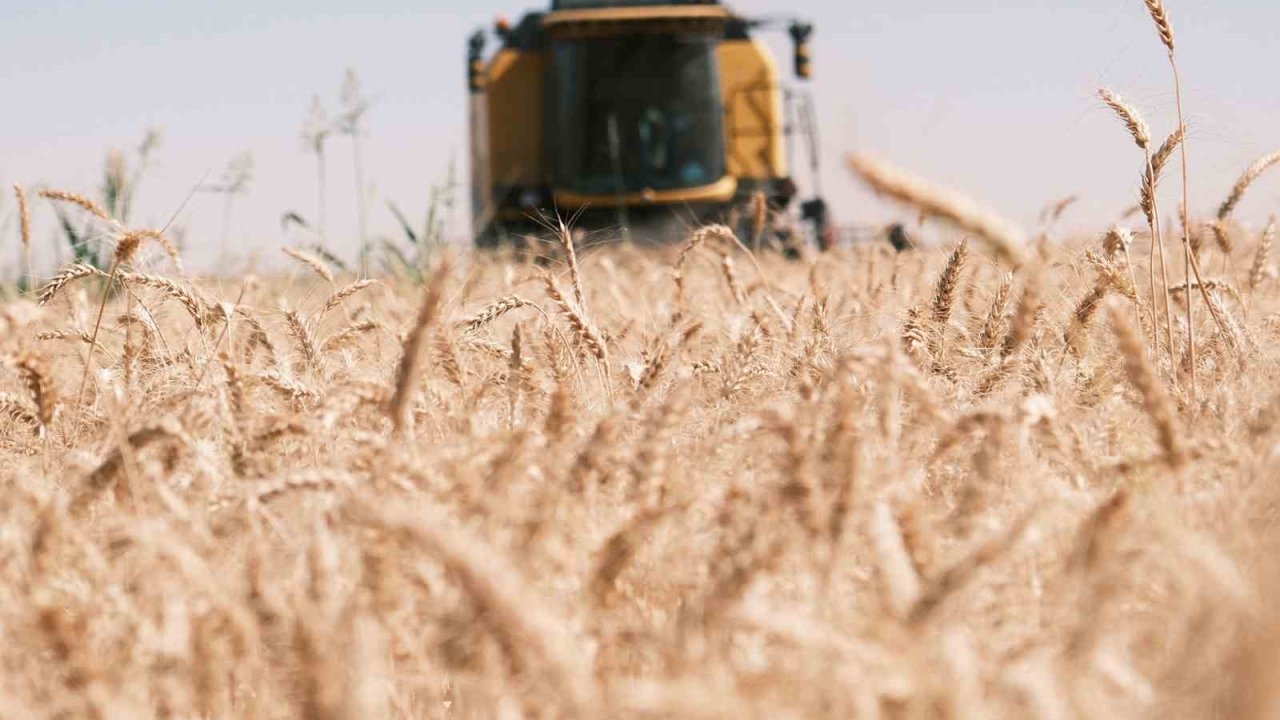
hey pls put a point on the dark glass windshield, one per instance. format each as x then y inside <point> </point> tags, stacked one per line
<point>636,112</point>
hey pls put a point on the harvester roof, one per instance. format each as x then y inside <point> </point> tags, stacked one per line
<point>592,4</point>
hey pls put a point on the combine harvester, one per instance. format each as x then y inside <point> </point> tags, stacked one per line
<point>639,116</point>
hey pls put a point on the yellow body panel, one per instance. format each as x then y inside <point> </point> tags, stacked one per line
<point>514,88</point>
<point>753,122</point>
<point>719,191</point>
<point>507,119</point>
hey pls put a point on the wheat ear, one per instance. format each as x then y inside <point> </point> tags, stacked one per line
<point>1129,115</point>
<point>24,225</point>
<point>1154,398</point>
<point>515,613</point>
<point>318,266</point>
<point>493,311</point>
<point>565,236</point>
<point>67,275</point>
<point>337,297</point>
<point>945,293</point>
<point>1001,235</point>
<point>81,201</point>
<point>406,376</point>
<point>1252,173</point>
<point>1257,273</point>
<point>1161,19</point>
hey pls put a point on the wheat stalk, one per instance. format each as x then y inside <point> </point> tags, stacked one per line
<point>1192,265</point>
<point>1147,201</point>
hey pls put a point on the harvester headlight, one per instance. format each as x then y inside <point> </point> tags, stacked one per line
<point>530,199</point>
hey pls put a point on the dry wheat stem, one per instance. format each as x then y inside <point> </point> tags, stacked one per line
<point>1165,30</point>
<point>93,341</point>
<point>1149,203</point>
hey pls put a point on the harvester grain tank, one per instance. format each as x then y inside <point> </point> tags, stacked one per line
<point>641,116</point>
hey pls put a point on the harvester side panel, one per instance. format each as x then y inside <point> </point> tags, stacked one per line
<point>513,126</point>
<point>482,200</point>
<point>752,95</point>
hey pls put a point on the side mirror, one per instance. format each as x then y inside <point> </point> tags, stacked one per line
<point>800,33</point>
<point>475,63</point>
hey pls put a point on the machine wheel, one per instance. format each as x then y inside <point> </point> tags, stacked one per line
<point>816,213</point>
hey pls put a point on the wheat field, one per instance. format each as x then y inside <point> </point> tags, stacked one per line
<point>1008,475</point>
<point>641,483</point>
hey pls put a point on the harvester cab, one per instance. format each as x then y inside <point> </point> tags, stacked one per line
<point>644,116</point>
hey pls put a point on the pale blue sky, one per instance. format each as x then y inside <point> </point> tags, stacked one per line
<point>992,96</point>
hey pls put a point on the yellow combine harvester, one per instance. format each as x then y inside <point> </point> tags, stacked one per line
<point>642,116</point>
